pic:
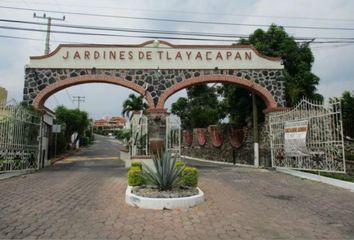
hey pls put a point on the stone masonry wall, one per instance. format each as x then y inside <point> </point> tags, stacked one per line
<point>224,153</point>
<point>157,81</point>
<point>349,149</point>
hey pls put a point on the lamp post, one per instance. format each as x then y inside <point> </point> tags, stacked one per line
<point>255,131</point>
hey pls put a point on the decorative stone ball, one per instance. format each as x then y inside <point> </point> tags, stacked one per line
<point>156,43</point>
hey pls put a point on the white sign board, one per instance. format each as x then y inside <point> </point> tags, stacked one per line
<point>56,128</point>
<point>295,133</point>
<point>155,55</point>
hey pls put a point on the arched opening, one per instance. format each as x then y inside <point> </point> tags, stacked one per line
<point>44,94</point>
<point>252,86</point>
<point>225,133</point>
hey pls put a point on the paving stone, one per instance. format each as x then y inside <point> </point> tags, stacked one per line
<point>86,201</point>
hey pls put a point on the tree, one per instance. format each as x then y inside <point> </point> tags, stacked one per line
<point>74,121</point>
<point>200,109</point>
<point>347,101</point>
<point>133,103</point>
<point>298,59</point>
<point>237,104</point>
<point>347,104</point>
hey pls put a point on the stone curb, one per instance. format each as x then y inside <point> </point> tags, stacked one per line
<point>162,203</point>
<point>14,174</point>
<point>63,156</point>
<point>216,162</point>
<point>318,178</point>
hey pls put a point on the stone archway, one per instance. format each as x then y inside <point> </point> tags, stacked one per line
<point>250,85</point>
<point>155,69</point>
<point>157,66</point>
<point>51,89</point>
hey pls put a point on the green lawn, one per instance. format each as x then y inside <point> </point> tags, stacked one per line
<point>340,176</point>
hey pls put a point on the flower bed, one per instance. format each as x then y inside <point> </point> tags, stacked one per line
<point>173,193</point>
<point>169,184</point>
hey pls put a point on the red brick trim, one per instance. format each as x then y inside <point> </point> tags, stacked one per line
<point>49,90</point>
<point>258,89</point>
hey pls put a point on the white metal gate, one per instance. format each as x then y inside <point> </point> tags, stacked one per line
<point>308,137</point>
<point>19,133</point>
<point>139,135</point>
<point>173,134</point>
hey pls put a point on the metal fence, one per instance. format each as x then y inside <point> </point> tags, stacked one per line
<point>19,132</point>
<point>308,137</point>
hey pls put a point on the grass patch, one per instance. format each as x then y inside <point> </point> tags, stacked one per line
<point>339,176</point>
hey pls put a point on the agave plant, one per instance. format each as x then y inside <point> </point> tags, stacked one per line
<point>166,174</point>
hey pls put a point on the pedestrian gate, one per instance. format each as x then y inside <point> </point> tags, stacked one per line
<point>173,134</point>
<point>308,137</point>
<point>19,131</point>
<point>139,126</point>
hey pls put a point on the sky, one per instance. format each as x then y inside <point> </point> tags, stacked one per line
<point>333,62</point>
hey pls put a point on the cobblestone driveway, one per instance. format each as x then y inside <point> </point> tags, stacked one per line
<point>85,200</point>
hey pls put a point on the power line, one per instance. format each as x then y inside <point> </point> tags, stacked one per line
<point>134,30</point>
<point>178,20</point>
<point>329,44</point>
<point>204,13</point>
<point>332,46</point>
<point>213,37</point>
<point>36,39</point>
<point>168,32</point>
<point>78,99</point>
<point>115,35</point>
<point>56,100</point>
<point>69,96</point>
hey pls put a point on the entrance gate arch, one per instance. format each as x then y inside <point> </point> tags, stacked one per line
<point>155,70</point>
<point>158,67</point>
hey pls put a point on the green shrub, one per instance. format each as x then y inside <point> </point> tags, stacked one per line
<point>84,141</point>
<point>180,163</point>
<point>165,175</point>
<point>134,177</point>
<point>137,164</point>
<point>190,177</point>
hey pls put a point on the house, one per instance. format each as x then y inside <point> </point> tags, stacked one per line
<point>108,125</point>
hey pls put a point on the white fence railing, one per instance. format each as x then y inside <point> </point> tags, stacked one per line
<point>19,132</point>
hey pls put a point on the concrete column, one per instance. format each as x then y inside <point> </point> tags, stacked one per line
<point>157,129</point>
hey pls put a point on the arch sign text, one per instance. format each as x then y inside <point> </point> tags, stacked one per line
<point>156,55</point>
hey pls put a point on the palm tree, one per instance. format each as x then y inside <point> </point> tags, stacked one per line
<point>133,103</point>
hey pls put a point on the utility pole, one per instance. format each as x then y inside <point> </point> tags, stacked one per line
<point>47,39</point>
<point>78,99</point>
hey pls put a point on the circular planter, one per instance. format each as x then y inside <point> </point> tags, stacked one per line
<point>162,203</point>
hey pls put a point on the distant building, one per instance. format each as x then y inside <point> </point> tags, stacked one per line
<point>3,96</point>
<point>109,125</point>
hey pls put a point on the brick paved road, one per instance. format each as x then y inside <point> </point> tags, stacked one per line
<point>85,200</point>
